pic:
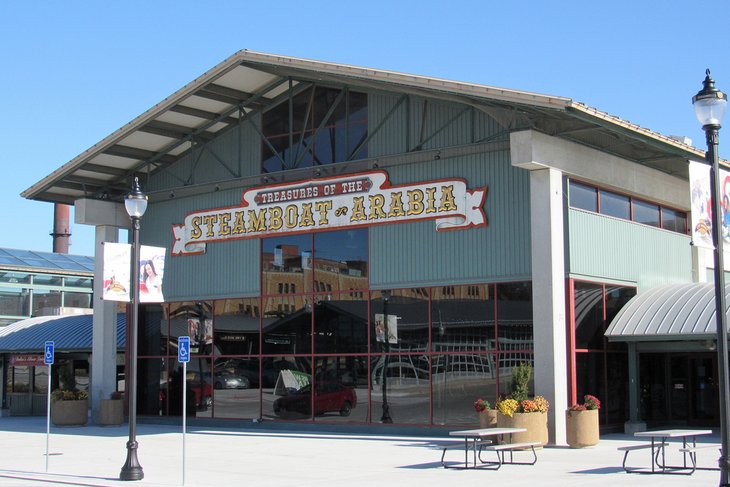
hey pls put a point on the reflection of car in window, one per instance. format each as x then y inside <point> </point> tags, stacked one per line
<point>328,397</point>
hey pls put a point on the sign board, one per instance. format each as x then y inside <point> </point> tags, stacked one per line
<point>183,349</point>
<point>49,352</point>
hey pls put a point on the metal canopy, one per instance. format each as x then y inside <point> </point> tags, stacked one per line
<point>69,333</point>
<point>249,81</point>
<point>674,312</point>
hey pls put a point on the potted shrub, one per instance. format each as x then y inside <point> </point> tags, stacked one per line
<point>111,411</point>
<point>519,411</point>
<point>487,415</point>
<point>582,423</point>
<point>69,407</point>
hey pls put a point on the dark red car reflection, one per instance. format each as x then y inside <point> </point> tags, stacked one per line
<point>328,397</point>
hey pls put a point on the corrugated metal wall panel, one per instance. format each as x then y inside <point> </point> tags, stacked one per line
<point>390,138</point>
<point>609,248</point>
<point>415,254</point>
<point>237,261</point>
<point>226,269</point>
<point>239,149</point>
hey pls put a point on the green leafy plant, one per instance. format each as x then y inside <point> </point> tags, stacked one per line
<point>521,382</point>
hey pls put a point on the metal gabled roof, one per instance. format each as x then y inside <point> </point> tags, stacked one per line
<point>678,311</point>
<point>249,82</point>
<point>70,334</point>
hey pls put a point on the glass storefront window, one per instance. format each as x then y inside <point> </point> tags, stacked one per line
<point>21,379</point>
<point>286,383</point>
<point>458,380</point>
<point>286,264</point>
<point>193,319</point>
<point>514,324</point>
<point>589,378</point>
<point>286,326</point>
<point>152,330</point>
<point>236,327</point>
<point>589,323</point>
<point>462,319</point>
<point>407,324</point>
<point>236,388</point>
<point>341,260</point>
<point>407,381</point>
<point>340,324</point>
<point>341,388</point>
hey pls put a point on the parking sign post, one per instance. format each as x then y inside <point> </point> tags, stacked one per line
<point>183,356</point>
<point>49,351</point>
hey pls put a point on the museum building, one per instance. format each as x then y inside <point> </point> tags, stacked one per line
<point>377,237</point>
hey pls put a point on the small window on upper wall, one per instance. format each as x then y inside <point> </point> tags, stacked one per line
<point>583,197</point>
<point>615,205</point>
<point>674,220</point>
<point>646,213</point>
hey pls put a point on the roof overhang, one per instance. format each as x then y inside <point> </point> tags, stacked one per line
<point>668,313</point>
<point>250,81</point>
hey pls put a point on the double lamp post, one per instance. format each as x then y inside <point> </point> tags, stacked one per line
<point>710,104</point>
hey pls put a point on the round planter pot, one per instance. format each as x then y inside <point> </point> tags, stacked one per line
<point>70,413</point>
<point>111,412</point>
<point>535,423</point>
<point>488,418</point>
<point>582,428</point>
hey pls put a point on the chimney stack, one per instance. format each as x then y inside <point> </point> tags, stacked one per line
<point>61,228</point>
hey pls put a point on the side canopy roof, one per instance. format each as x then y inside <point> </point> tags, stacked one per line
<point>69,333</point>
<point>663,313</point>
<point>249,82</point>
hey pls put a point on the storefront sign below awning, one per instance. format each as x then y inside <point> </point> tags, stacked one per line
<point>26,360</point>
<point>664,313</point>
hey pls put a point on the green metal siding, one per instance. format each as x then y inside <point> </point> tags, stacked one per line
<point>228,269</point>
<point>415,254</point>
<point>606,248</point>
<point>239,149</point>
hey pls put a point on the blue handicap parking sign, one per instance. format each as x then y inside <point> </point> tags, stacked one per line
<point>183,349</point>
<point>48,352</point>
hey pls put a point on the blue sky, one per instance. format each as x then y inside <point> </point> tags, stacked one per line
<point>75,71</point>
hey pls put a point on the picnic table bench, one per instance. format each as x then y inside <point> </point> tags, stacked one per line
<point>658,446</point>
<point>478,440</point>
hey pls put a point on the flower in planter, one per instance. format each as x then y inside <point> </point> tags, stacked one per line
<point>590,403</point>
<point>481,405</point>
<point>508,406</point>
<point>69,395</point>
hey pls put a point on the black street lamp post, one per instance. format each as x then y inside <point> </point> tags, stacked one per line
<point>385,418</point>
<point>710,105</point>
<point>136,204</point>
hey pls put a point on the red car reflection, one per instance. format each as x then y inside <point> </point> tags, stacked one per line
<point>328,397</point>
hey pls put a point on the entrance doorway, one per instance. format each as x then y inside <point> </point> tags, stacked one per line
<point>679,389</point>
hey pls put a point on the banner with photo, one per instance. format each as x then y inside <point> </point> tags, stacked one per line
<point>701,204</point>
<point>116,273</point>
<point>380,328</point>
<point>151,271</point>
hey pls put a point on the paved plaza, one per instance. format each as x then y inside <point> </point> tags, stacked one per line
<point>271,455</point>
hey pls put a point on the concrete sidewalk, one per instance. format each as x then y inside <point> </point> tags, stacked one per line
<point>93,456</point>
